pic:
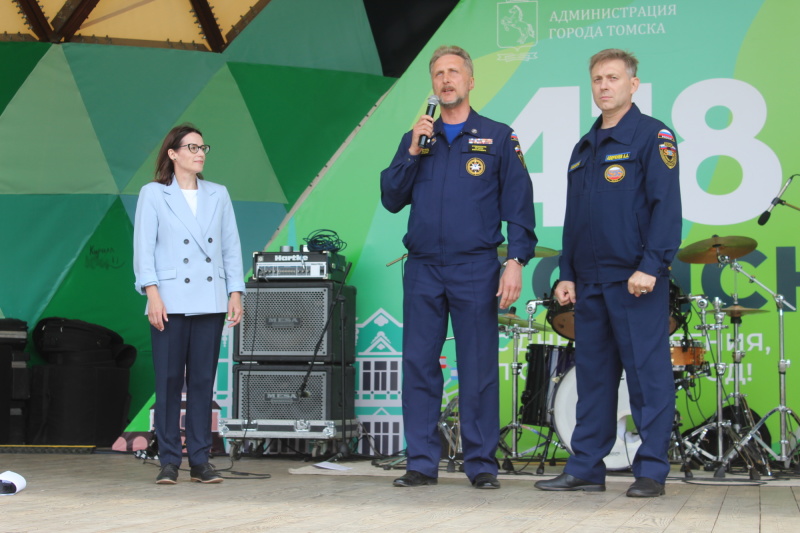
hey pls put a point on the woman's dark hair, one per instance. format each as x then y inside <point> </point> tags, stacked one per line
<point>165,168</point>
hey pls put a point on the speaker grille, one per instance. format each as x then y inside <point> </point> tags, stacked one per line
<point>271,393</point>
<point>284,322</point>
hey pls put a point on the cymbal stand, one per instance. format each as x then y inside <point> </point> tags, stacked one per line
<point>786,454</point>
<point>693,449</point>
<point>515,427</point>
<point>720,368</point>
<point>741,414</point>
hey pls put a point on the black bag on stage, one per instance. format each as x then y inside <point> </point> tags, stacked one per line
<point>65,341</point>
<point>120,355</point>
<point>59,335</point>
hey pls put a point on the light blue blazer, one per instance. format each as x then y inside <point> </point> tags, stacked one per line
<point>195,261</point>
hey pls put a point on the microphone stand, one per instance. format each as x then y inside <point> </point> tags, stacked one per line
<point>778,201</point>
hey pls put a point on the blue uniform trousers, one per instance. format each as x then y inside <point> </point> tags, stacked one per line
<point>614,331</point>
<point>465,292</point>
<point>187,348</point>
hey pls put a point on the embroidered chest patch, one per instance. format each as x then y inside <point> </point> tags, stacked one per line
<point>476,166</point>
<point>615,173</point>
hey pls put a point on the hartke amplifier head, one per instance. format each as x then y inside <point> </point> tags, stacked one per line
<point>283,322</point>
<point>271,392</point>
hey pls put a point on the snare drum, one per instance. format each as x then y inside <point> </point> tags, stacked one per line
<point>561,317</point>
<point>565,403</point>
<point>545,363</point>
<point>689,358</point>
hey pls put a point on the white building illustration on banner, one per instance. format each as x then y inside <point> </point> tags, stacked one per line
<point>378,380</point>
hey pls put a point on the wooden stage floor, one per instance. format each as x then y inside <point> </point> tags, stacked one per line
<point>115,492</point>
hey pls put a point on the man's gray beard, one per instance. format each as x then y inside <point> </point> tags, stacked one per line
<point>451,105</point>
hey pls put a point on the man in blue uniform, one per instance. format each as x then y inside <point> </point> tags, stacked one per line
<point>467,178</point>
<point>621,231</point>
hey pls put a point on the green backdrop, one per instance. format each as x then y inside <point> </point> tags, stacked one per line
<point>79,126</point>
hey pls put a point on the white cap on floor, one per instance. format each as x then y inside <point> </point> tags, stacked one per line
<point>12,483</point>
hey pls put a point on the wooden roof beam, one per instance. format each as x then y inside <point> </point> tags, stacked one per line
<point>37,21</point>
<point>72,16</point>
<point>208,23</point>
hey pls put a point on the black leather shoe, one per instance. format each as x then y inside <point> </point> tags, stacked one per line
<point>412,478</point>
<point>205,473</point>
<point>168,475</point>
<point>485,480</point>
<point>568,482</point>
<point>644,487</point>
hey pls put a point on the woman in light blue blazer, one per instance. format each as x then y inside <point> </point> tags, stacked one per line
<point>188,262</point>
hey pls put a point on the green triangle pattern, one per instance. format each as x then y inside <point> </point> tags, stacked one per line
<point>62,157</point>
<point>93,283</point>
<point>237,159</point>
<point>43,236</point>
<point>300,112</point>
<point>257,221</point>
<point>298,33</point>
<point>17,60</point>
<point>155,86</point>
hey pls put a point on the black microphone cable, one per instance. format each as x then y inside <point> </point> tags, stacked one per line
<point>302,392</point>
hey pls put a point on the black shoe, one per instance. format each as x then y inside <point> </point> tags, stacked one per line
<point>205,473</point>
<point>568,482</point>
<point>485,480</point>
<point>168,475</point>
<point>644,487</point>
<point>412,478</point>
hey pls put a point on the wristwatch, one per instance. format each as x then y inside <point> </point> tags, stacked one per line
<point>517,259</point>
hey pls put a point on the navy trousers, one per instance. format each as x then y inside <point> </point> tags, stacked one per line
<point>186,351</point>
<point>614,331</point>
<point>465,293</point>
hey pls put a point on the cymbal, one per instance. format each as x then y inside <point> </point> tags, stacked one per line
<point>540,251</point>
<point>738,310</point>
<point>705,251</point>
<point>510,319</point>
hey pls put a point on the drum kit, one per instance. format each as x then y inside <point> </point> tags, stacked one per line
<point>546,407</point>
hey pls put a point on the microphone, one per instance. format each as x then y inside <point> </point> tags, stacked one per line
<point>766,214</point>
<point>433,101</point>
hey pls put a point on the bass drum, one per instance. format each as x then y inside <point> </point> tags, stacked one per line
<point>565,402</point>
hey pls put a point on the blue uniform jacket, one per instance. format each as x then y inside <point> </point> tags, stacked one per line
<point>623,203</point>
<point>459,194</point>
<point>195,261</point>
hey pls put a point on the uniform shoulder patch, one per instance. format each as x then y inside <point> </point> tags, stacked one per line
<point>669,154</point>
<point>666,134</point>
<point>521,157</point>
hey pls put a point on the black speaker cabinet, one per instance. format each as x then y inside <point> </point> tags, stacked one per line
<point>271,392</point>
<point>283,322</point>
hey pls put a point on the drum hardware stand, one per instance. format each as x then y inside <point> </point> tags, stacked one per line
<point>693,449</point>
<point>677,439</point>
<point>680,445</point>
<point>515,427</point>
<point>742,415</point>
<point>783,364</point>
<point>451,434</point>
